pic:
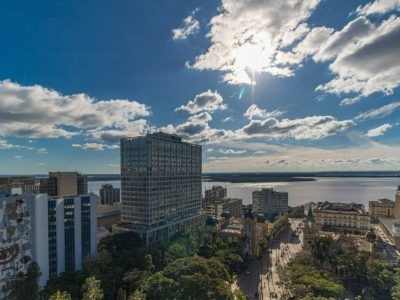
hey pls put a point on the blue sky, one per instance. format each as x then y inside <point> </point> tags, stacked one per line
<point>262,85</point>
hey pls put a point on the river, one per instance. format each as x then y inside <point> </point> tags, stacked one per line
<point>333,189</point>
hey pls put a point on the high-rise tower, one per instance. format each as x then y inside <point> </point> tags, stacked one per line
<point>160,186</point>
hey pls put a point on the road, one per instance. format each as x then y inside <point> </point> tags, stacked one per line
<point>279,251</point>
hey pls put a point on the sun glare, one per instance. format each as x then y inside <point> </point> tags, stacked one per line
<point>250,57</point>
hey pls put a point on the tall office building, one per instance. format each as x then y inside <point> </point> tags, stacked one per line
<point>268,201</point>
<point>160,186</point>
<point>109,195</point>
<point>57,233</point>
<point>64,184</point>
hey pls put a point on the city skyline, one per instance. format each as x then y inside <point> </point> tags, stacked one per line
<point>263,86</point>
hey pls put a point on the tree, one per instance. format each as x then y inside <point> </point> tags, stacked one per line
<point>92,289</point>
<point>160,287</point>
<point>149,267</point>
<point>121,294</point>
<point>26,286</point>
<point>395,292</point>
<point>60,296</point>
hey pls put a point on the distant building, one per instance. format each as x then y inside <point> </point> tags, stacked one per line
<point>213,194</point>
<point>25,183</point>
<point>268,201</point>
<point>109,195</point>
<point>160,186</point>
<point>214,210</point>
<point>57,233</point>
<point>342,217</point>
<point>233,206</point>
<point>382,208</point>
<point>64,184</point>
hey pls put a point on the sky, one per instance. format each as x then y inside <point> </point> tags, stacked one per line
<point>263,85</point>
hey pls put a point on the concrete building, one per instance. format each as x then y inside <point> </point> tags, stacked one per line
<point>214,210</point>
<point>16,234</point>
<point>342,217</point>
<point>213,194</point>
<point>160,186</point>
<point>109,195</point>
<point>268,201</point>
<point>64,184</point>
<point>57,233</point>
<point>25,183</point>
<point>381,208</point>
<point>233,206</point>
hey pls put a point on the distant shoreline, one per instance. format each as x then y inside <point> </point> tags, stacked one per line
<point>237,177</point>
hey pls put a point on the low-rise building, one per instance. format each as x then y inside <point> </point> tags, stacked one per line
<point>382,208</point>
<point>342,217</point>
<point>25,183</point>
<point>213,194</point>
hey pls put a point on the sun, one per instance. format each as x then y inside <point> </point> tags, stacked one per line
<point>250,57</point>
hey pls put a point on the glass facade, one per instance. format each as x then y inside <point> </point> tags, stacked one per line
<point>160,180</point>
<point>85,223</point>
<point>69,233</point>
<point>51,205</point>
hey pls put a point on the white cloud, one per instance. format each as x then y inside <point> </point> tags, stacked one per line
<point>191,26</point>
<point>42,151</point>
<point>379,130</point>
<point>94,146</point>
<point>378,7</point>
<point>18,157</point>
<point>232,151</point>
<point>260,152</point>
<point>248,36</point>
<point>365,59</point>
<point>254,112</point>
<point>207,101</point>
<point>314,128</point>
<point>5,145</point>
<point>227,119</point>
<point>36,111</point>
<point>380,112</point>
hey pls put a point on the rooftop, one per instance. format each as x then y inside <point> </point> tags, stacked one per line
<point>342,207</point>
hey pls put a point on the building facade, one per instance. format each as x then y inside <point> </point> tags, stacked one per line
<point>268,201</point>
<point>382,208</point>
<point>109,195</point>
<point>16,234</point>
<point>213,194</point>
<point>57,233</point>
<point>342,217</point>
<point>160,186</point>
<point>64,184</point>
<point>25,183</point>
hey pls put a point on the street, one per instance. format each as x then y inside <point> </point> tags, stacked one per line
<point>279,252</point>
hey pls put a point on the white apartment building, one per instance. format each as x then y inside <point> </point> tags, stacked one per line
<point>160,186</point>
<point>268,201</point>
